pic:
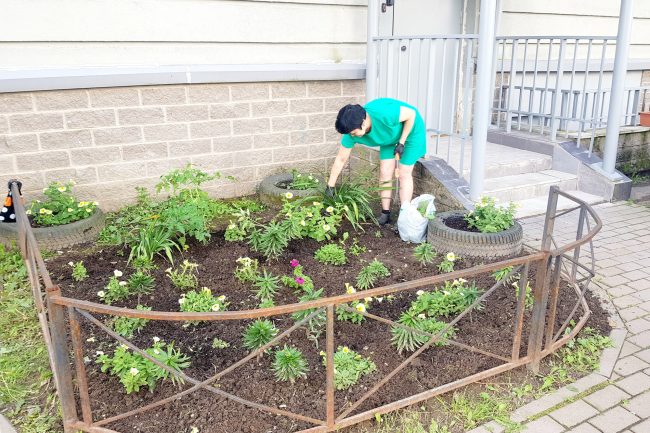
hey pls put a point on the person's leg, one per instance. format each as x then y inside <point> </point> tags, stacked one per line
<point>386,173</point>
<point>405,183</point>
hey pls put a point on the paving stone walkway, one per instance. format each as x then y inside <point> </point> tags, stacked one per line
<point>621,398</point>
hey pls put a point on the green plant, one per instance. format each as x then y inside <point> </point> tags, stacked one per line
<point>246,270</point>
<point>218,343</point>
<point>356,249</point>
<point>410,339</point>
<point>487,217</point>
<point>303,181</point>
<point>331,254</point>
<point>316,324</point>
<point>505,273</point>
<point>289,365</point>
<point>300,281</point>
<point>241,228</point>
<point>141,283</point>
<point>424,253</point>
<point>447,265</point>
<point>79,272</point>
<point>185,181</point>
<point>582,354</point>
<point>342,312</point>
<point>185,277</point>
<point>115,290</point>
<point>369,275</point>
<point>202,301</point>
<point>529,299</point>
<point>152,240</point>
<point>307,218</point>
<point>349,367</point>
<point>126,326</point>
<point>378,234</point>
<point>60,206</point>
<point>267,285</point>
<point>135,371</point>
<point>355,197</point>
<point>259,333</point>
<point>453,298</point>
<point>273,240</point>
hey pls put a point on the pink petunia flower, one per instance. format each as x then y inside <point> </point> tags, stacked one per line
<point>300,280</point>
<point>294,263</point>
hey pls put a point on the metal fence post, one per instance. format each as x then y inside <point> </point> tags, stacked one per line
<point>371,50</point>
<point>555,101</point>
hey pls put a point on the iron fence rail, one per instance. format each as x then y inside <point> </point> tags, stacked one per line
<point>549,262</point>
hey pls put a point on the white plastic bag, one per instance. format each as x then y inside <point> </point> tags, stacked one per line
<point>411,224</point>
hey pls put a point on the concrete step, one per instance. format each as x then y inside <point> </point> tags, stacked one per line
<point>500,160</point>
<point>537,205</point>
<point>523,186</point>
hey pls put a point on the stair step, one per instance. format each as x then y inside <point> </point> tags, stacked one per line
<point>523,186</point>
<point>537,205</point>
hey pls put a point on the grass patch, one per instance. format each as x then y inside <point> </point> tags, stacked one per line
<point>27,394</point>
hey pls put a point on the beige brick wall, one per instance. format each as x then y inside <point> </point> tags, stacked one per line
<point>111,140</point>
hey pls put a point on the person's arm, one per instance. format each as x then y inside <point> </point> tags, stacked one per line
<point>339,163</point>
<point>406,116</point>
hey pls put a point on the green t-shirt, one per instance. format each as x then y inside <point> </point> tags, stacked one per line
<point>386,129</point>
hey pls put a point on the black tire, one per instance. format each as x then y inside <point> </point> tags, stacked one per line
<point>58,237</point>
<point>507,243</point>
<point>271,194</point>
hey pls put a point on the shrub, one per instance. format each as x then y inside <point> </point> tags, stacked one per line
<point>369,275</point>
<point>127,326</point>
<point>355,198</point>
<point>135,371</point>
<point>79,272</point>
<point>141,283</point>
<point>202,301</point>
<point>115,290</point>
<point>302,181</point>
<point>267,285</point>
<point>349,367</point>
<point>316,324</point>
<point>331,254</point>
<point>299,281</point>
<point>455,297</point>
<point>487,217</point>
<point>246,270</point>
<point>60,206</point>
<point>313,219</point>
<point>185,277</point>
<point>259,333</point>
<point>424,253</point>
<point>447,265</point>
<point>410,340</point>
<point>289,365</point>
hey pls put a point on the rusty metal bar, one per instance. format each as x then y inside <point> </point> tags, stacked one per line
<point>331,420</point>
<point>555,291</point>
<point>566,211</point>
<point>576,252</point>
<point>581,295</point>
<point>539,312</point>
<point>82,378</point>
<point>519,313</point>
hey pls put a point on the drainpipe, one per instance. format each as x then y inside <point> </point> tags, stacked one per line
<point>618,83</point>
<point>483,99</point>
<point>371,50</point>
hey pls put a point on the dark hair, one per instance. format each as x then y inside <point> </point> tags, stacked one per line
<point>350,118</point>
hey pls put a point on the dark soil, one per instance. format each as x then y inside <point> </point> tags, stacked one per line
<point>458,222</point>
<point>490,329</point>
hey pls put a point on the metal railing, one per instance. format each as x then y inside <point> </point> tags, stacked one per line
<point>433,73</point>
<point>60,318</point>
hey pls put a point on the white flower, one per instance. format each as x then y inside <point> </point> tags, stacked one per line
<point>298,175</point>
<point>122,283</point>
<point>422,316</point>
<point>309,214</point>
<point>99,353</point>
<point>316,203</point>
<point>61,188</point>
<point>181,301</point>
<point>231,226</point>
<point>444,292</point>
<point>168,270</point>
<point>156,339</point>
<point>380,299</point>
<point>70,264</point>
<point>117,273</point>
<point>420,292</point>
<point>330,209</point>
<point>28,211</point>
<point>88,210</point>
<point>70,209</point>
<point>134,371</point>
<point>156,351</point>
<point>101,293</point>
<point>462,280</point>
<point>316,180</point>
<point>222,298</point>
<point>368,299</point>
<point>326,227</point>
<point>90,340</point>
<point>450,257</point>
<point>288,195</point>
<point>310,177</point>
<point>360,307</point>
<point>303,223</point>
<point>216,307</point>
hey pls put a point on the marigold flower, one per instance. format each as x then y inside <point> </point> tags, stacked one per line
<point>101,293</point>
<point>330,209</point>
<point>450,257</point>
<point>294,263</point>
<point>134,371</point>
<point>360,307</point>
<point>117,273</point>
<point>289,195</point>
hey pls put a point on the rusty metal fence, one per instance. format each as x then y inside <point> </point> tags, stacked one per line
<point>554,264</point>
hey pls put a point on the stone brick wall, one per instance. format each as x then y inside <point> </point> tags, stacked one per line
<point>111,140</point>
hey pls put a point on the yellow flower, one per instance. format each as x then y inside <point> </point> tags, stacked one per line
<point>134,371</point>
<point>222,298</point>
<point>28,211</point>
<point>322,353</point>
<point>288,195</point>
<point>330,209</point>
<point>47,211</point>
<point>345,349</point>
<point>368,299</point>
<point>89,210</point>
<point>80,204</point>
<point>360,307</point>
<point>216,307</point>
<point>451,257</point>
<point>42,211</point>
<point>326,227</point>
<point>61,188</point>
<point>303,223</point>
<point>70,209</point>
<point>349,289</point>
<point>316,203</point>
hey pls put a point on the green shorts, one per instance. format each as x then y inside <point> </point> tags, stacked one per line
<point>414,149</point>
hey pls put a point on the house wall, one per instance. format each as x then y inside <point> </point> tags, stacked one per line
<point>114,139</point>
<point>72,33</point>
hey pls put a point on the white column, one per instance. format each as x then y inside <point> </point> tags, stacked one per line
<point>371,50</point>
<point>483,98</point>
<point>618,83</point>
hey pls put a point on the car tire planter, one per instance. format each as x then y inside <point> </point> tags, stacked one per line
<point>57,237</point>
<point>272,195</point>
<point>503,244</point>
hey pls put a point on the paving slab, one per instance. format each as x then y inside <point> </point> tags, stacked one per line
<point>635,384</point>
<point>545,424</point>
<point>607,397</point>
<point>629,365</point>
<point>614,420</point>
<point>574,413</point>
<point>584,428</point>
<point>643,427</point>
<point>640,405</point>
<point>5,426</point>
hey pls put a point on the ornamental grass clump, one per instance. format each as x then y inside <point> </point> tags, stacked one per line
<point>410,339</point>
<point>60,206</point>
<point>487,217</point>
<point>289,364</point>
<point>331,254</point>
<point>349,367</point>
<point>141,283</point>
<point>185,277</point>
<point>267,285</point>
<point>316,324</point>
<point>370,274</point>
<point>355,198</point>
<point>424,253</point>
<point>127,326</point>
<point>135,371</point>
<point>259,333</point>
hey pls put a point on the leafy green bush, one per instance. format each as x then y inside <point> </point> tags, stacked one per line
<point>289,365</point>
<point>246,270</point>
<point>115,290</point>
<point>273,240</point>
<point>141,283</point>
<point>410,340</point>
<point>355,197</point>
<point>453,298</point>
<point>316,324</point>
<point>202,301</point>
<point>424,253</point>
<point>127,326</point>
<point>135,371</point>
<point>185,277</point>
<point>369,275</point>
<point>487,217</point>
<point>267,285</point>
<point>303,181</point>
<point>60,206</point>
<point>447,265</point>
<point>79,272</point>
<point>331,254</point>
<point>259,333</point>
<point>349,367</point>
<point>312,219</point>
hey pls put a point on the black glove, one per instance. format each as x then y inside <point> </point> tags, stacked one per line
<point>399,149</point>
<point>329,191</point>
